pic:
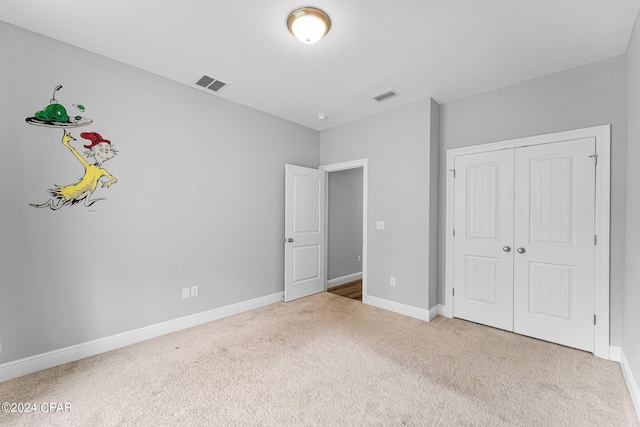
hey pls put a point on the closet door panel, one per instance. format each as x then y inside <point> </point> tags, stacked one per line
<point>554,242</point>
<point>483,260</point>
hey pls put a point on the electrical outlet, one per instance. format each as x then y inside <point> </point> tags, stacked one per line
<point>392,282</point>
<point>359,258</point>
<point>185,293</point>
<point>194,291</point>
<point>380,225</point>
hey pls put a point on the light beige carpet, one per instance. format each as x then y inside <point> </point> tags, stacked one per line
<point>330,361</point>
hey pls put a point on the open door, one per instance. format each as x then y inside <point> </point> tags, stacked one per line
<point>304,232</point>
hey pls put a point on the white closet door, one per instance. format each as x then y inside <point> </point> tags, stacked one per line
<point>483,259</point>
<point>554,242</point>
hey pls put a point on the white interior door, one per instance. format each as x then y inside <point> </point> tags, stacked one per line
<point>304,232</point>
<point>483,259</point>
<point>524,245</point>
<point>554,238</point>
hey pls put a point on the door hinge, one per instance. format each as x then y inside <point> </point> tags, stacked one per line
<point>453,291</point>
<point>454,173</point>
<point>595,239</point>
<point>595,159</point>
<point>454,232</point>
<point>594,319</point>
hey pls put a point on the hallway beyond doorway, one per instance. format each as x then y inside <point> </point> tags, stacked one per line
<point>351,290</point>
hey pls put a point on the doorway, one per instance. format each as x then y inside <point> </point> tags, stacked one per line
<point>344,233</point>
<point>305,237</point>
<point>346,228</point>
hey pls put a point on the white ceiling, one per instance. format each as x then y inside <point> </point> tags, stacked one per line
<point>444,49</point>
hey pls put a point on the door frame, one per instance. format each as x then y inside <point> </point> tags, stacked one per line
<point>602,135</point>
<point>335,167</point>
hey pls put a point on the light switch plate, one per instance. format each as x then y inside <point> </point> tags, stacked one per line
<point>185,293</point>
<point>194,291</point>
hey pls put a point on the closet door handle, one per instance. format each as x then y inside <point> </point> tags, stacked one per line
<point>506,248</point>
<point>520,250</point>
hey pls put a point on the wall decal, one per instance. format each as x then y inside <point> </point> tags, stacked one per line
<point>56,116</point>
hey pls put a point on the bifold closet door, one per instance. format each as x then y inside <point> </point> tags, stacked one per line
<point>524,240</point>
<point>554,242</point>
<point>483,255</point>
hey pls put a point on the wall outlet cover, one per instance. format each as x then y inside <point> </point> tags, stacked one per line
<point>194,291</point>
<point>185,293</point>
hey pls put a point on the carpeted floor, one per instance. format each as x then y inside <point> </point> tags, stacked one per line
<point>330,361</point>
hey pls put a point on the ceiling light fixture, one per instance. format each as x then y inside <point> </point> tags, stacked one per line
<point>308,24</point>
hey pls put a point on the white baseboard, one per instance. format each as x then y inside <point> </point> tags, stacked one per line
<point>344,279</point>
<point>61,356</point>
<point>442,310</point>
<point>632,384</point>
<point>407,310</point>
<point>615,353</point>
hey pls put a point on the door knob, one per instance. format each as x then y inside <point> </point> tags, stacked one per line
<point>289,240</point>
<point>506,248</point>
<point>521,250</point>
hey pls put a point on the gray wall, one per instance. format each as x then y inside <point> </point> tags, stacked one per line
<point>631,346</point>
<point>200,197</point>
<point>586,96</point>
<point>434,215</point>
<point>344,223</point>
<point>397,144</point>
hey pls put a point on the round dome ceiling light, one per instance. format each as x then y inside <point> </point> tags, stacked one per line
<point>308,24</point>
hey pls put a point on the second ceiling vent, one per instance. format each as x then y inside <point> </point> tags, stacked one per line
<point>385,96</point>
<point>211,83</point>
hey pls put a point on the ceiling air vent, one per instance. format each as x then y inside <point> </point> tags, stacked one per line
<point>211,83</point>
<point>385,96</point>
